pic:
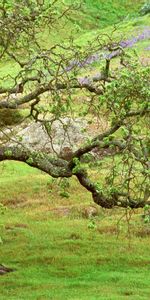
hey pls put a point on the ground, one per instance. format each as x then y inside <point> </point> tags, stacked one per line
<point>58,252</point>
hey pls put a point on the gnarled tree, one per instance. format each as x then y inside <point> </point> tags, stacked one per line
<point>53,81</point>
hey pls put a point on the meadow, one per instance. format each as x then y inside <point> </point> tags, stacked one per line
<point>58,250</point>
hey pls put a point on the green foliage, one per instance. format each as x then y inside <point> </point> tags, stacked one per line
<point>77,165</point>
<point>30,160</point>
<point>8,153</point>
<point>64,185</point>
<point>64,194</point>
<point>145,8</point>
<point>126,91</point>
<point>146,215</point>
<point>92,224</point>
<point>129,91</point>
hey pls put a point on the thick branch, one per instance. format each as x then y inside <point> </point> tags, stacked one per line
<point>96,141</point>
<point>120,200</point>
<point>14,103</point>
<point>50,165</point>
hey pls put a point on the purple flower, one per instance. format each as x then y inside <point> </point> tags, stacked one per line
<point>147,48</point>
<point>97,56</point>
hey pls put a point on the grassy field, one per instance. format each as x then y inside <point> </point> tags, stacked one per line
<point>57,252</point>
<point>108,12</point>
<point>82,26</point>
<point>125,30</point>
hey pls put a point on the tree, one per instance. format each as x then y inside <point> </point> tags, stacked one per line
<point>48,78</point>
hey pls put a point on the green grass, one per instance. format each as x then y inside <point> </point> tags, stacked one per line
<point>59,256</point>
<point>124,30</point>
<point>56,253</point>
<point>97,14</point>
<point>101,13</point>
<point>96,17</point>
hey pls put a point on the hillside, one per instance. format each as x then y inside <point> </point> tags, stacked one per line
<point>94,15</point>
<point>58,242</point>
<point>101,13</point>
